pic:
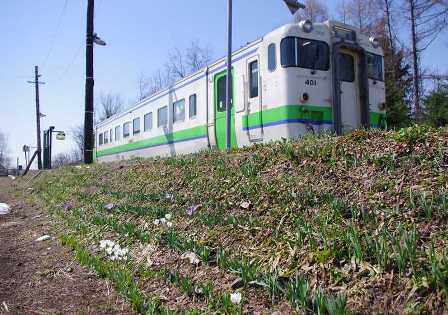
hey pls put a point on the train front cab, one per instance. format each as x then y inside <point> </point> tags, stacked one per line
<point>330,77</point>
<point>358,96</point>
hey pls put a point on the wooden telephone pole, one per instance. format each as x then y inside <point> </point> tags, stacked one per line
<point>36,83</point>
<point>88,115</point>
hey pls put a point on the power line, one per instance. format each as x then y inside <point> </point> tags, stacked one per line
<point>71,63</point>
<point>78,50</point>
<point>53,40</point>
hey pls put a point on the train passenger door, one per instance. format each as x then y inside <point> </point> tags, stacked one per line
<point>350,103</point>
<point>220,84</point>
<point>254,110</point>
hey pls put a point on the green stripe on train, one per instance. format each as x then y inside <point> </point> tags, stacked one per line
<point>306,112</point>
<point>377,119</point>
<point>313,113</point>
<point>182,135</point>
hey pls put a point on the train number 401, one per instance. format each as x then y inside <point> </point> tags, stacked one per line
<point>311,82</point>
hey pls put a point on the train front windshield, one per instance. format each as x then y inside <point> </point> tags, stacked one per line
<point>375,67</point>
<point>305,53</point>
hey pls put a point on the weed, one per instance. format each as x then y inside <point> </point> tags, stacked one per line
<point>412,135</point>
<point>406,249</point>
<point>273,285</point>
<point>186,286</point>
<point>247,270</point>
<point>207,290</point>
<point>222,259</point>
<point>298,293</point>
<point>439,270</point>
<point>204,253</point>
<point>320,303</point>
<point>354,243</point>
<point>223,304</point>
<point>337,305</point>
<point>380,249</point>
<point>172,239</point>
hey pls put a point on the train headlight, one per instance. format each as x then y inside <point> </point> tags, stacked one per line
<point>374,41</point>
<point>304,98</point>
<point>306,26</point>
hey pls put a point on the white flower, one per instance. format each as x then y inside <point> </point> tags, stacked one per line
<point>163,220</point>
<point>235,298</point>
<point>168,216</point>
<point>103,244</point>
<point>109,250</point>
<point>192,257</point>
<point>169,224</point>
<point>156,222</point>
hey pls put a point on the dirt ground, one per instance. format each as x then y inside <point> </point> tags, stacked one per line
<point>44,277</point>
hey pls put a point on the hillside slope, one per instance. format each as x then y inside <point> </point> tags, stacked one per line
<point>319,225</point>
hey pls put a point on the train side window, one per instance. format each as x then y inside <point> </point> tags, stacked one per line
<point>117,133</point>
<point>272,57</point>
<point>106,137</point>
<point>100,139</point>
<point>346,68</point>
<point>222,85</point>
<point>126,131</point>
<point>253,79</point>
<point>162,117</point>
<point>147,121</point>
<point>179,111</point>
<point>375,67</point>
<point>136,126</point>
<point>192,106</point>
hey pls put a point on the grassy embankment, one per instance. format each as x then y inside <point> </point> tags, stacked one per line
<point>319,225</point>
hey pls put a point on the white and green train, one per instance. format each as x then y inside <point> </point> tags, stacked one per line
<point>299,78</point>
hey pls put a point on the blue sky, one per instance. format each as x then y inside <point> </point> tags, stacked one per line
<point>139,33</point>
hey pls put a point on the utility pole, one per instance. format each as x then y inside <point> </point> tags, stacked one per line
<point>88,115</point>
<point>229,75</point>
<point>36,83</point>
<point>415,59</point>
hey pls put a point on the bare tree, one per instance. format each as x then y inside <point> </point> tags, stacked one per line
<point>5,159</point>
<point>315,11</point>
<point>110,104</point>
<point>387,9</point>
<point>61,159</point>
<point>154,83</point>
<point>64,159</point>
<point>197,57</point>
<point>342,11</point>
<point>180,64</point>
<point>143,86</point>
<point>363,14</point>
<point>77,133</point>
<point>176,65</point>
<point>428,18</point>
